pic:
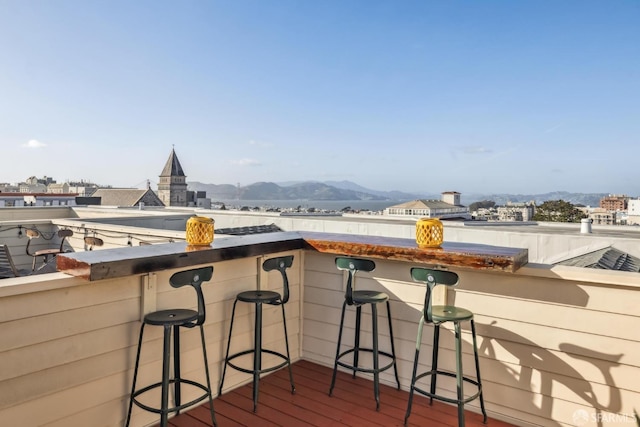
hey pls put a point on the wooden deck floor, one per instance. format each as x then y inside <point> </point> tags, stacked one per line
<point>352,404</point>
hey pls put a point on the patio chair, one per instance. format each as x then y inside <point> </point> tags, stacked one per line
<point>7,266</point>
<point>91,242</point>
<point>46,253</point>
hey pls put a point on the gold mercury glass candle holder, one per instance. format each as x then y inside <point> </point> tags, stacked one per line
<point>429,233</point>
<point>199,231</point>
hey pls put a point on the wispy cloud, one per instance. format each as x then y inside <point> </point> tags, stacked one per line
<point>246,162</point>
<point>476,149</point>
<point>553,128</point>
<point>261,144</point>
<point>32,143</point>
<point>473,150</point>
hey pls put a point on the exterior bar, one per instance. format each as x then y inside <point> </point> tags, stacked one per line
<point>109,264</point>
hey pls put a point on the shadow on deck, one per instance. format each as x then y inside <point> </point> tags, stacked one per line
<point>352,404</point>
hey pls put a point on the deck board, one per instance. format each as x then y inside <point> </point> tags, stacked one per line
<point>351,405</point>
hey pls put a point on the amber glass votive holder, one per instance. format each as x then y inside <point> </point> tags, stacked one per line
<point>429,233</point>
<point>199,231</point>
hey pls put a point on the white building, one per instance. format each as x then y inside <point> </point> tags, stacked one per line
<point>516,211</point>
<point>633,212</point>
<point>447,208</point>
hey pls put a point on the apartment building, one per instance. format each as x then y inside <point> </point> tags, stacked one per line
<point>614,202</point>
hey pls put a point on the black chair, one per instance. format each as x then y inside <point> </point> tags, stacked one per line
<point>46,253</point>
<point>358,298</point>
<point>175,319</point>
<point>439,314</point>
<point>259,297</point>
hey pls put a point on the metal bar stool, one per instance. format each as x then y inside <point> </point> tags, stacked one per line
<point>259,297</point>
<point>358,298</point>
<point>175,319</point>
<point>439,314</point>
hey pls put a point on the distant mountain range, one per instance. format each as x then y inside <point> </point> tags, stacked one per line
<point>347,190</point>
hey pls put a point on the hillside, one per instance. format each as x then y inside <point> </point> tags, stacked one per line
<point>347,190</point>
<point>272,191</point>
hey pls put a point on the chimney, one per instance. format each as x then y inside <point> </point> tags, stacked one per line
<point>451,197</point>
<point>585,225</point>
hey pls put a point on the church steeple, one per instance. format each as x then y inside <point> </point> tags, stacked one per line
<point>172,187</point>
<point>173,167</point>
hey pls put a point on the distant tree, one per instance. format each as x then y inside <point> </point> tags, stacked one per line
<point>486,204</point>
<point>558,211</point>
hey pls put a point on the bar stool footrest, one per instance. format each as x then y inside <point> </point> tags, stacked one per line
<point>360,369</point>
<point>173,408</point>
<point>284,363</point>
<point>443,398</point>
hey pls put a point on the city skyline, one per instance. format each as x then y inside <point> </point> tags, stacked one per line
<point>526,97</point>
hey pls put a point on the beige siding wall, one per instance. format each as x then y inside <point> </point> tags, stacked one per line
<point>67,347</point>
<point>553,343</point>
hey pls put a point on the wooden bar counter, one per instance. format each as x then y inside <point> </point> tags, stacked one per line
<point>120,262</point>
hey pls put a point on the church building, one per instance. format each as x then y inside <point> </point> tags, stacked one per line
<point>172,187</point>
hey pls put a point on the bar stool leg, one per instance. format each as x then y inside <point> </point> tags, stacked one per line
<point>475,354</point>
<point>286,341</point>
<point>335,363</point>
<point>434,361</point>
<point>226,358</point>
<point>257,353</point>
<point>206,372</point>
<point>393,347</point>
<point>415,370</point>
<point>176,366</point>
<point>164,415</point>
<point>356,343</point>
<point>459,381</point>
<point>376,363</point>
<point>135,376</point>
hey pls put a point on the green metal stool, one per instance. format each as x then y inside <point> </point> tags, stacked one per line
<point>439,314</point>
<point>358,298</point>
<point>258,298</point>
<point>174,319</point>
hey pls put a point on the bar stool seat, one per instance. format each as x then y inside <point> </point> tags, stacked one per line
<point>265,297</point>
<point>258,298</point>
<point>172,320</point>
<point>437,315</point>
<point>358,298</point>
<point>171,317</point>
<point>450,313</point>
<point>369,297</point>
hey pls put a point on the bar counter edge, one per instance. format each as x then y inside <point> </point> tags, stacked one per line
<point>120,262</point>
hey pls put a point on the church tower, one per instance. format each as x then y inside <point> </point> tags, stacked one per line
<point>172,187</point>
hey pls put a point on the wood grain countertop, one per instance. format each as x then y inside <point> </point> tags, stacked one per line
<point>120,262</point>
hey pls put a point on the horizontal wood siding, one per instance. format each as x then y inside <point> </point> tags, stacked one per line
<point>548,347</point>
<point>68,352</point>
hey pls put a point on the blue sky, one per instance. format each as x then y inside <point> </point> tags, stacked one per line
<point>430,96</point>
